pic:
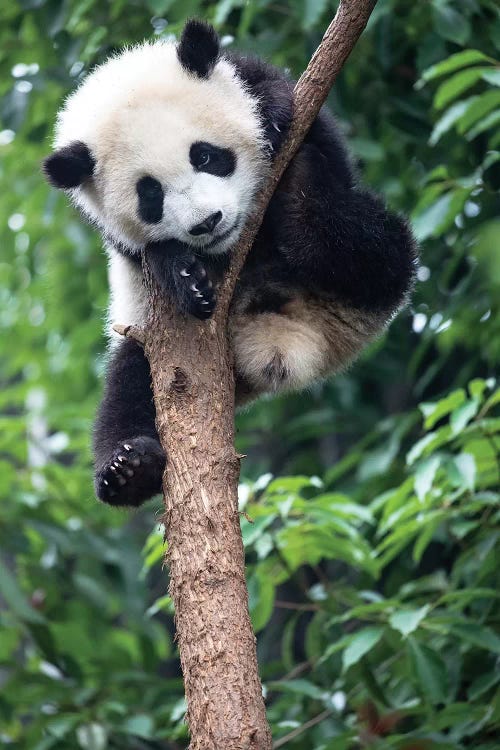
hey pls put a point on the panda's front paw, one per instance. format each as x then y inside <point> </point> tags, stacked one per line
<point>133,472</point>
<point>197,289</point>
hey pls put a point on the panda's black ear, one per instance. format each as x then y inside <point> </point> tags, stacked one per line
<point>69,166</point>
<point>198,48</point>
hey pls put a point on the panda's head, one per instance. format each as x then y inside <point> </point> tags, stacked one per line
<point>161,142</point>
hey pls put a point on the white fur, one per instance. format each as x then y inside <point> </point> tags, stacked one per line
<point>139,113</point>
<point>128,298</point>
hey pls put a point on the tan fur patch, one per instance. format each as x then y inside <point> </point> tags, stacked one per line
<point>311,339</point>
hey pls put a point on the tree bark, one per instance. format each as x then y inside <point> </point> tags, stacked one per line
<point>193,387</point>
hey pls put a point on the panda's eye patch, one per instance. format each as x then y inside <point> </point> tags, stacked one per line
<point>150,194</point>
<point>205,157</point>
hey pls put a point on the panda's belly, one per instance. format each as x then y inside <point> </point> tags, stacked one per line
<point>128,298</point>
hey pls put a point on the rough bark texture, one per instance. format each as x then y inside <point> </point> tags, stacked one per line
<point>193,388</point>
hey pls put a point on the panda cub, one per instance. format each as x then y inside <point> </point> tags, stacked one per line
<point>163,147</point>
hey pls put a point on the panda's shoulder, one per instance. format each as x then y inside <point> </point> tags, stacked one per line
<point>254,70</point>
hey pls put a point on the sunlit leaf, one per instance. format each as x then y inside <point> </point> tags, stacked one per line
<point>360,644</point>
<point>456,85</point>
<point>408,620</point>
<point>449,118</point>
<point>466,466</point>
<point>92,736</point>
<point>424,475</point>
<point>454,62</point>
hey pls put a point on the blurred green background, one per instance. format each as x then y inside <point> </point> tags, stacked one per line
<point>374,554</point>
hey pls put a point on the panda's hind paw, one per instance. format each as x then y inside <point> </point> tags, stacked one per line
<point>198,291</point>
<point>133,472</point>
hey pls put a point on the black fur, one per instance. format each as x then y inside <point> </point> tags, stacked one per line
<point>181,275</point>
<point>273,92</point>
<point>69,166</point>
<point>198,48</point>
<point>340,240</point>
<point>205,157</point>
<point>128,457</point>
<point>150,194</point>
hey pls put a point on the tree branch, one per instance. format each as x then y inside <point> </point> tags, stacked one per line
<point>193,386</point>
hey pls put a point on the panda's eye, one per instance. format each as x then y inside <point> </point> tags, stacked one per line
<point>205,157</point>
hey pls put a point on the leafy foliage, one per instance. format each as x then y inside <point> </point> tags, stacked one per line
<point>372,502</point>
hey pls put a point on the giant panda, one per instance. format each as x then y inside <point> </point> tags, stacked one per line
<point>164,147</point>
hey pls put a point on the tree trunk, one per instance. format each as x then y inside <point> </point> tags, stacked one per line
<point>194,396</point>
<point>193,385</point>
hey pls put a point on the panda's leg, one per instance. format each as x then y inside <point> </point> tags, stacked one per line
<point>341,240</point>
<point>129,460</point>
<point>277,351</point>
<point>309,338</point>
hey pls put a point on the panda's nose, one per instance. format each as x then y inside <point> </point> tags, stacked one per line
<point>206,226</point>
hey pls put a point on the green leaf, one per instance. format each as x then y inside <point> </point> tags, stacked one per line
<point>261,593</point>
<point>477,635</point>
<point>418,449</point>
<point>462,415</point>
<point>477,109</point>
<point>433,412</point>
<point>15,598</point>
<point>466,467</point>
<point>488,122</point>
<point>360,644</point>
<point>477,387</point>
<point>455,62</point>
<point>140,725</point>
<point>408,620</point>
<point>493,400</point>
<point>162,604</point>
<point>482,684</point>
<point>92,736</point>
<point>424,475</point>
<point>60,726</point>
<point>224,8</point>
<point>429,670</point>
<point>312,11</point>
<point>440,215</point>
<point>425,537</point>
<point>450,24</point>
<point>299,687</point>
<point>448,119</point>
<point>456,85</point>
<point>492,76</point>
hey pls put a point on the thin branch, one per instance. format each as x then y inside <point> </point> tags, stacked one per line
<point>303,728</point>
<point>131,332</point>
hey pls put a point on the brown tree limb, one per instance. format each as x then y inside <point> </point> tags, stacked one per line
<point>193,386</point>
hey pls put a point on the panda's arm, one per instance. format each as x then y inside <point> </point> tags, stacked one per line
<point>341,239</point>
<point>182,277</point>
